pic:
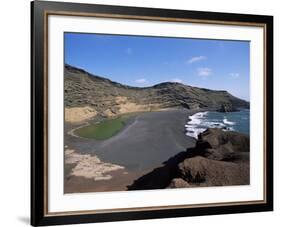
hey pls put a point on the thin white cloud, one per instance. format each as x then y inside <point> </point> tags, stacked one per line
<point>196,59</point>
<point>204,72</point>
<point>141,81</point>
<point>234,75</point>
<point>129,51</point>
<point>176,80</point>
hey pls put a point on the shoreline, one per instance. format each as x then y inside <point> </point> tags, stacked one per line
<point>147,145</point>
<point>200,121</point>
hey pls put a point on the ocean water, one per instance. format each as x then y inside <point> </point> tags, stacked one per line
<point>232,121</point>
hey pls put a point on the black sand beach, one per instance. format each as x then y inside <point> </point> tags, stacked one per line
<point>148,140</point>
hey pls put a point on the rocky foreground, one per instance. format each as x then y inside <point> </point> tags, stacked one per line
<point>219,158</point>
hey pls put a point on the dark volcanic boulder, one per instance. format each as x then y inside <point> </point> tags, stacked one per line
<point>200,171</point>
<point>219,158</point>
<point>217,144</point>
<point>178,183</point>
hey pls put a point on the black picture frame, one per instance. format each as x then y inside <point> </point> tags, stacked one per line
<point>39,121</point>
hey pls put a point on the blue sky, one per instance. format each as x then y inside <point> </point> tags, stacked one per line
<point>144,61</point>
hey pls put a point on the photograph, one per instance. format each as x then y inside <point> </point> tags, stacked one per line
<point>147,112</point>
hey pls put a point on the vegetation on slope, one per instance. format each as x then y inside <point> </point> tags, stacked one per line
<point>107,98</point>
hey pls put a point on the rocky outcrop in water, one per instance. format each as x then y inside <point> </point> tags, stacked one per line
<point>227,107</point>
<point>219,158</point>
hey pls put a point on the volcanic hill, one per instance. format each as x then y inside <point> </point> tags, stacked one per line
<point>87,95</point>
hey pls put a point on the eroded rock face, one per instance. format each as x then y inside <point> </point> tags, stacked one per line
<point>178,183</point>
<point>223,146</point>
<point>200,171</point>
<point>109,98</point>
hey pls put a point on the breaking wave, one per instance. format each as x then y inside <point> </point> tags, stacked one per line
<point>200,121</point>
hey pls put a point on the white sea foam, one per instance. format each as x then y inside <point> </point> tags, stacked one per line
<point>194,132</point>
<point>199,122</point>
<point>214,124</point>
<point>192,128</point>
<point>228,122</point>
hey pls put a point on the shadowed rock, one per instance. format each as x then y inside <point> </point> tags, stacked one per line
<point>223,146</point>
<point>200,171</point>
<point>219,158</point>
<point>160,177</point>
